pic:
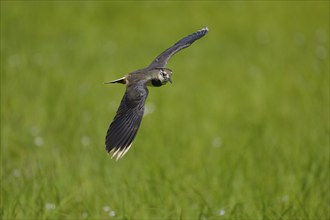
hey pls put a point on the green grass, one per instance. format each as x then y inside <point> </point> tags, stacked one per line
<point>243,131</point>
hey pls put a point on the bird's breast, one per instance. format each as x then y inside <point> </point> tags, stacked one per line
<point>156,82</point>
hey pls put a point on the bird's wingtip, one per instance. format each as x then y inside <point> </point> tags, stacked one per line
<point>118,153</point>
<point>205,29</point>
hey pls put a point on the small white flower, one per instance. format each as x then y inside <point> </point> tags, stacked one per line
<point>216,142</point>
<point>85,140</point>
<point>221,212</point>
<point>38,141</point>
<point>321,52</point>
<point>106,208</point>
<point>112,213</point>
<point>285,198</point>
<point>50,206</point>
<point>16,173</point>
<point>84,214</point>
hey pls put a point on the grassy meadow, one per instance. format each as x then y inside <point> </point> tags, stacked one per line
<point>242,133</point>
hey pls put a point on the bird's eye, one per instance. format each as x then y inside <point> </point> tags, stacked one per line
<point>163,73</point>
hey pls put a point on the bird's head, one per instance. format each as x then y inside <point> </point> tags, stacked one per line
<point>165,75</point>
<point>161,76</point>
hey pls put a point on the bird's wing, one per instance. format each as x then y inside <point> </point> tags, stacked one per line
<point>161,60</point>
<point>126,123</point>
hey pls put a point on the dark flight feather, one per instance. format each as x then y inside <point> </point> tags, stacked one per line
<point>126,123</point>
<point>161,60</point>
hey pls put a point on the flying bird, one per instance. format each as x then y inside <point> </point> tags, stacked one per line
<point>126,123</point>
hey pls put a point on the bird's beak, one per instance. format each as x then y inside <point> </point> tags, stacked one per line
<point>170,80</point>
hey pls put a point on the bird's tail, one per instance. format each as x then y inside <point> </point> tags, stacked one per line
<point>121,80</point>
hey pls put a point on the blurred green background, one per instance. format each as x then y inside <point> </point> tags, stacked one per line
<point>243,131</point>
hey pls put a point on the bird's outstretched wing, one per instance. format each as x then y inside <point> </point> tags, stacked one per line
<point>126,123</point>
<point>161,60</point>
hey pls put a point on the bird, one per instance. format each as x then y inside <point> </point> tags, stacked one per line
<point>126,123</point>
